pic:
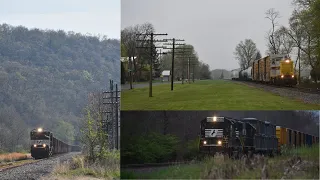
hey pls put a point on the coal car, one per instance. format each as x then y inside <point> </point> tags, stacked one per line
<point>44,144</point>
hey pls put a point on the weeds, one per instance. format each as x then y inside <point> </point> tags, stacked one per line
<point>10,157</point>
<point>107,167</point>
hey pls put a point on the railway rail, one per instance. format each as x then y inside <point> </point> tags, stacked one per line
<point>292,88</point>
<point>150,165</point>
<point>29,161</point>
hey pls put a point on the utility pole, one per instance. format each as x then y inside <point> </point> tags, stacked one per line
<point>172,63</point>
<point>188,58</point>
<point>151,54</point>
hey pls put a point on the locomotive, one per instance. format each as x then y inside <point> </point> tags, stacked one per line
<point>247,136</point>
<point>44,144</point>
<point>273,69</point>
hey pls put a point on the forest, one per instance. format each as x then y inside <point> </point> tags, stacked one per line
<point>45,79</point>
<point>160,136</point>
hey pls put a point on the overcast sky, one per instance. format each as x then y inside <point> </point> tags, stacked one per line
<point>213,27</point>
<point>84,16</point>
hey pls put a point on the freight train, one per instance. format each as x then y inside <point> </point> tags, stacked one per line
<point>248,136</point>
<point>272,69</point>
<point>44,144</point>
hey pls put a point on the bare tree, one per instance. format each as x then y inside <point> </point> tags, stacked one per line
<point>272,15</point>
<point>245,53</point>
<point>128,38</point>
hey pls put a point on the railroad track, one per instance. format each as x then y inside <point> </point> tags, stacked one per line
<point>294,88</point>
<point>28,161</point>
<point>150,165</point>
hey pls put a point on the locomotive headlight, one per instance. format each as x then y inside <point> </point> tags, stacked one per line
<point>219,142</point>
<point>287,61</point>
<point>292,76</point>
<point>204,142</point>
<point>39,129</point>
<point>34,145</point>
<point>282,76</point>
<point>44,145</point>
<point>214,119</point>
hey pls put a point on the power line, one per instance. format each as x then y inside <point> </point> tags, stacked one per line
<point>173,48</point>
<point>151,53</point>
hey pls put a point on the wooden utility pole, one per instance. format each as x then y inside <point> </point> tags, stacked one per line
<point>151,40</point>
<point>172,63</point>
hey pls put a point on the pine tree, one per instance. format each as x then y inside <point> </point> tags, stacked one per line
<point>221,77</point>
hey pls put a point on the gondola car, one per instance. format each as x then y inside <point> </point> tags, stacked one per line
<point>44,144</point>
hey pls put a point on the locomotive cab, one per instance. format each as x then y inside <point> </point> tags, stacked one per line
<point>216,134</point>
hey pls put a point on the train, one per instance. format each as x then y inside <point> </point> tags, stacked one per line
<point>44,144</point>
<point>248,136</point>
<point>272,69</point>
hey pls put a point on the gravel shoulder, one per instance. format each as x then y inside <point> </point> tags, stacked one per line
<point>36,170</point>
<point>302,96</point>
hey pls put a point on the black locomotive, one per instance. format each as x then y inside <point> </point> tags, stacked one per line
<point>236,137</point>
<point>44,144</point>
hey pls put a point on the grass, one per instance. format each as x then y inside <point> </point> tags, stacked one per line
<point>300,163</point>
<point>79,167</point>
<point>208,95</point>
<point>10,157</point>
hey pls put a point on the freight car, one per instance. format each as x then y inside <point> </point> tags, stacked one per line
<point>246,74</point>
<point>293,138</point>
<point>236,137</point>
<point>44,144</point>
<point>235,74</point>
<point>274,69</point>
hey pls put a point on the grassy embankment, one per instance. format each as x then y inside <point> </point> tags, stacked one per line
<point>300,163</point>
<point>14,159</point>
<point>208,95</point>
<point>80,168</point>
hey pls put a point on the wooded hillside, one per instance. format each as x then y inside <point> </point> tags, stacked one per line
<point>45,78</point>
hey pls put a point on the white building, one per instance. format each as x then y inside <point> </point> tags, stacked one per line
<point>165,75</point>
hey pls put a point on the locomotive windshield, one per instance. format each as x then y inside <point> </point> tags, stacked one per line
<point>39,135</point>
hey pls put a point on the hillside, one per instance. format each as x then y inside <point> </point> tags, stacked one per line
<point>216,73</point>
<point>45,77</point>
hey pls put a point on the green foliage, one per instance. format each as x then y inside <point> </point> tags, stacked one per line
<point>149,148</point>
<point>192,149</point>
<point>65,131</point>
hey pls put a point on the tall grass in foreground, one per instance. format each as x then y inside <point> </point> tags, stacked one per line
<point>299,163</point>
<point>107,167</point>
<point>10,157</point>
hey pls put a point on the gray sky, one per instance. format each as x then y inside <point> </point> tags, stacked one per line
<point>213,27</point>
<point>84,16</point>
